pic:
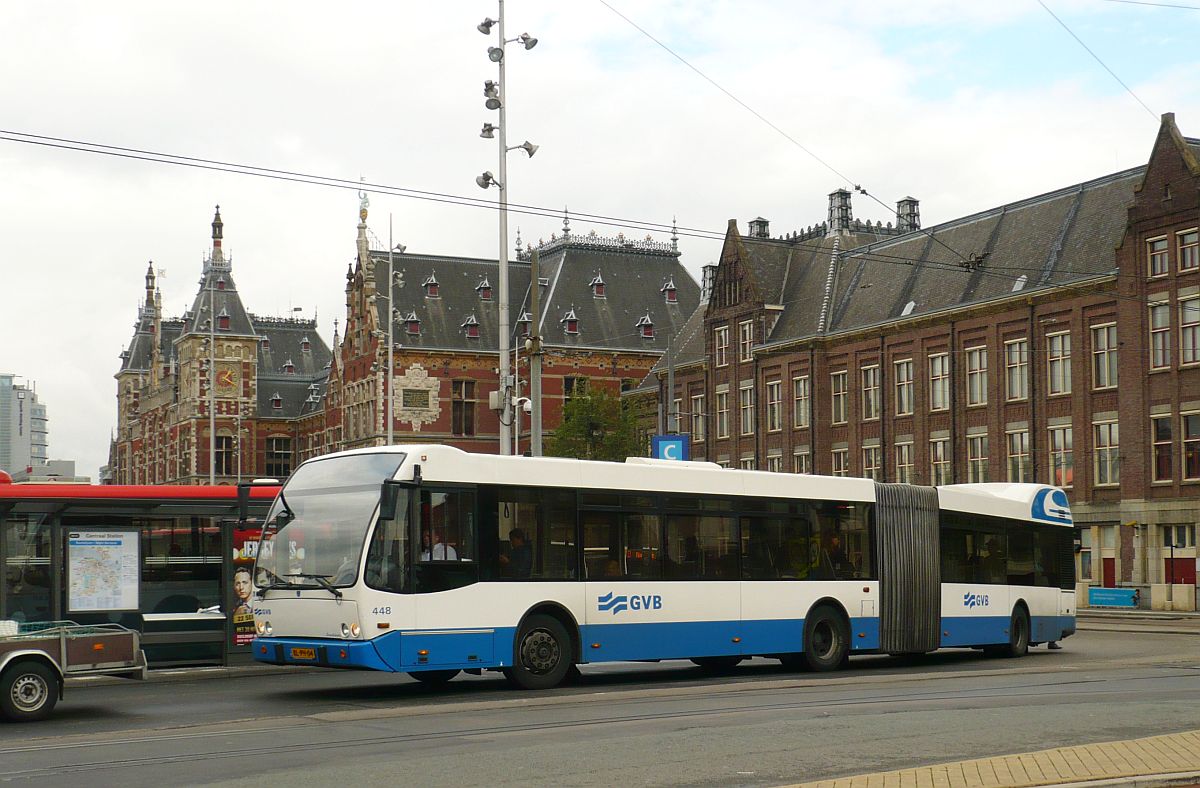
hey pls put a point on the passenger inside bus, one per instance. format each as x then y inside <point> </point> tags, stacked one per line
<point>518,562</point>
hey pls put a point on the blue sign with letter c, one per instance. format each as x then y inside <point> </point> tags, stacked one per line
<point>670,447</point>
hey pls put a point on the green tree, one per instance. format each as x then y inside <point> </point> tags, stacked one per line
<point>595,426</point>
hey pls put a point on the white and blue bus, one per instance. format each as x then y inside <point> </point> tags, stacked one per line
<point>429,560</point>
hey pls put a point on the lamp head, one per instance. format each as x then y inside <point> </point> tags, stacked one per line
<point>399,248</point>
<point>492,103</point>
<point>485,26</point>
<point>485,180</point>
<point>495,54</point>
<point>528,147</point>
<point>527,40</point>
<point>491,88</point>
<point>488,131</point>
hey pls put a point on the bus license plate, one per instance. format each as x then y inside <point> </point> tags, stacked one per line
<point>304,653</point>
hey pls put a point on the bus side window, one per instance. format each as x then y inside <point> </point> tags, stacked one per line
<point>534,532</point>
<point>642,546</point>
<point>602,551</point>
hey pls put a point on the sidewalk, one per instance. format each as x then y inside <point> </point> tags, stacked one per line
<point>1173,759</point>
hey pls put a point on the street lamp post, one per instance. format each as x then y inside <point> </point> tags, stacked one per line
<point>494,93</point>
<point>391,388</point>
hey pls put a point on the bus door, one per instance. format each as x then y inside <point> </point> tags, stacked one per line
<point>908,555</point>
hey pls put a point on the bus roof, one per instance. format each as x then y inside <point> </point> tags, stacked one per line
<point>449,464</point>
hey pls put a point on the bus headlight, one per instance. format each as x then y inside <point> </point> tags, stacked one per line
<point>345,630</point>
<point>260,626</point>
<point>267,629</point>
<point>355,630</point>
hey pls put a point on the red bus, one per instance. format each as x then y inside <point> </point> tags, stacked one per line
<point>164,560</point>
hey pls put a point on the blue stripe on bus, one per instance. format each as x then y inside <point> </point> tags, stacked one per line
<point>449,649</point>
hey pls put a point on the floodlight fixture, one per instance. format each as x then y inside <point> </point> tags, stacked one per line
<point>491,88</point>
<point>495,54</point>
<point>492,103</point>
<point>485,26</point>
<point>486,179</point>
<point>488,131</point>
<point>526,146</point>
<point>527,40</point>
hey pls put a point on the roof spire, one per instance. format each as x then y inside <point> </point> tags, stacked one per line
<point>216,259</point>
<point>520,251</point>
<point>364,248</point>
<point>566,223</point>
<point>674,236</point>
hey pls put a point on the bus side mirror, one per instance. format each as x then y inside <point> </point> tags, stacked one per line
<point>389,494</point>
<point>243,502</point>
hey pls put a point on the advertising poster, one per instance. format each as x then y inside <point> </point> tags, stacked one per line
<point>245,546</point>
<point>103,570</point>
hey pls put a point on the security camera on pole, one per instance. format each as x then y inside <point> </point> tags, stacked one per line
<point>494,99</point>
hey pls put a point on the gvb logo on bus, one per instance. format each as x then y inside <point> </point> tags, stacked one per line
<point>617,603</point>
<point>975,600</point>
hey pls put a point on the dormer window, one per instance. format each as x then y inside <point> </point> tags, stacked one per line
<point>431,287</point>
<point>221,283</point>
<point>223,320</point>
<point>484,288</point>
<point>266,343</point>
<point>646,326</point>
<point>412,324</point>
<point>570,322</point>
<point>523,323</point>
<point>597,285</point>
<point>305,345</point>
<point>669,292</point>
<point>289,368</point>
<point>276,401</point>
<point>471,325</point>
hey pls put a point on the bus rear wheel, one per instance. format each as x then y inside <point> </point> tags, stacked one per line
<point>1018,636</point>
<point>826,639</point>
<point>542,654</point>
<point>433,677</point>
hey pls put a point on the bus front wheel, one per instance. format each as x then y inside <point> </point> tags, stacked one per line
<point>826,639</point>
<point>542,655</point>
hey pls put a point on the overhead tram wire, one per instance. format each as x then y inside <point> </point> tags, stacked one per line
<point>450,199</point>
<point>780,131</point>
<point>1112,73</point>
<point>1157,5</point>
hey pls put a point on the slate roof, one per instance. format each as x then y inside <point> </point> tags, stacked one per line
<point>282,339</point>
<point>225,300</point>
<point>634,277</point>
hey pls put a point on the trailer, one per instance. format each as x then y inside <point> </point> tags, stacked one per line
<point>36,658</point>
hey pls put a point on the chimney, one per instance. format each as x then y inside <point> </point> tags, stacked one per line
<point>760,228</point>
<point>840,215</point>
<point>708,276</point>
<point>908,215</point>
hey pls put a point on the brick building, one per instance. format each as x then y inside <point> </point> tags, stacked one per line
<point>281,396</point>
<point>1054,339</point>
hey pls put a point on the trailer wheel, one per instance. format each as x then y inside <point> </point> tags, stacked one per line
<point>28,691</point>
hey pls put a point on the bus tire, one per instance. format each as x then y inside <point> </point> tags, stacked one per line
<point>1018,634</point>
<point>434,678</point>
<point>826,639</point>
<point>28,691</point>
<point>717,664</point>
<point>541,654</point>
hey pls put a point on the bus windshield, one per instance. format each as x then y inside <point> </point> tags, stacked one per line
<point>326,508</point>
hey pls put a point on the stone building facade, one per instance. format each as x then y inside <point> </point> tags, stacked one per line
<point>1055,339</point>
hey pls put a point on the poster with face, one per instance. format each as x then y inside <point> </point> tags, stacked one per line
<point>245,546</point>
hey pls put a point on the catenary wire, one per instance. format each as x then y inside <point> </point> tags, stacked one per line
<point>1112,73</point>
<point>1156,5</point>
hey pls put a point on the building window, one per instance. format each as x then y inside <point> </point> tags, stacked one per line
<point>872,462</point>
<point>904,462</point>
<point>646,326</point>
<point>279,457</point>
<point>745,339</point>
<point>1189,330</point>
<point>838,382</point>
<point>801,462</point>
<point>939,462</point>
<point>1106,453</point>
<point>471,326</point>
<point>597,285</point>
<point>1160,261</point>
<point>722,414</point>
<point>904,387</point>
<point>1016,369</point>
<point>939,381</point>
<point>574,387</point>
<point>774,405</point>
<point>305,345</point>
<point>669,292</point>
<point>223,321</point>
<point>224,455</point>
<point>977,375</point>
<point>977,458</point>
<point>697,418</point>
<point>1104,356</point>
<point>775,463</point>
<point>1160,336</point>
<point>1160,436</point>
<point>484,288</point>
<point>570,322</point>
<point>276,402</point>
<point>431,286</point>
<point>462,408</point>
<point>1189,251</point>
<point>1058,363</point>
<point>1062,461</point>
<point>1085,553</point>
<point>1020,462</point>
<point>841,462</point>
<point>800,403</point>
<point>289,368</point>
<point>870,393</point>
<point>1191,445</point>
<point>746,409</point>
<point>746,464</point>
<point>721,345</point>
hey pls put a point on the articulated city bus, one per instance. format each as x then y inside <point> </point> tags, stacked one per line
<point>428,560</point>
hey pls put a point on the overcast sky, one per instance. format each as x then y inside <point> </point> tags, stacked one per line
<point>964,105</point>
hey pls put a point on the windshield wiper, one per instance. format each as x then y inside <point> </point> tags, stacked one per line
<point>322,580</point>
<point>262,590</point>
